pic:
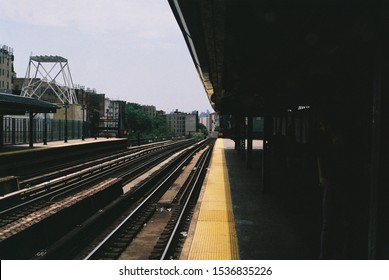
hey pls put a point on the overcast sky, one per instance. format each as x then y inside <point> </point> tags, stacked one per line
<point>131,50</point>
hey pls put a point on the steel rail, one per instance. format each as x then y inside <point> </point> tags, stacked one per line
<point>85,164</point>
<point>135,211</point>
<point>194,180</point>
<point>54,187</point>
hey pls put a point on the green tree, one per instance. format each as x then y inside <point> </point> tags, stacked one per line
<point>160,128</point>
<point>203,129</point>
<point>142,125</point>
<point>136,120</point>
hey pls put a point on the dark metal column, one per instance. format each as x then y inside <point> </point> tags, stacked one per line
<point>378,239</point>
<point>31,133</point>
<point>107,111</point>
<point>83,123</point>
<point>249,142</point>
<point>243,138</point>
<point>13,131</point>
<point>237,132</point>
<point>45,130</point>
<point>1,131</point>
<point>66,105</point>
<point>266,155</point>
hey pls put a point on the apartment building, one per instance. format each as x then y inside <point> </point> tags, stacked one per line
<point>149,110</point>
<point>182,124</point>
<point>7,72</point>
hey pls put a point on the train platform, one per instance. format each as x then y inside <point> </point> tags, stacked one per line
<point>16,160</point>
<point>22,148</point>
<point>234,219</point>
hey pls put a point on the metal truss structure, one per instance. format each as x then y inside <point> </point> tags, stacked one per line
<point>49,74</point>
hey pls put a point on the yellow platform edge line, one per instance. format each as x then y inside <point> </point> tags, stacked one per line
<point>215,236</point>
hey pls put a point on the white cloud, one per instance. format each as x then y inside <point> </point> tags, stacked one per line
<point>142,19</point>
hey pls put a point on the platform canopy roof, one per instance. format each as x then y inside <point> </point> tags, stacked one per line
<point>254,56</point>
<point>11,104</point>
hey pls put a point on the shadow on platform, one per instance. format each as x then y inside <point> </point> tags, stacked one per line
<point>283,224</point>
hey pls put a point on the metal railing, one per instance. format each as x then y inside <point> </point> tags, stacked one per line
<point>17,130</point>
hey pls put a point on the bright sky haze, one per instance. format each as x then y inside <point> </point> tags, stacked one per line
<point>131,50</point>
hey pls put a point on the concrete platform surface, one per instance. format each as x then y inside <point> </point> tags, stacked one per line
<point>269,226</point>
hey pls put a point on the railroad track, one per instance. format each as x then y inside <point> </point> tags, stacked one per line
<point>50,173</point>
<point>44,187</point>
<point>174,215</point>
<point>48,193</point>
<point>100,238</point>
<point>173,236</point>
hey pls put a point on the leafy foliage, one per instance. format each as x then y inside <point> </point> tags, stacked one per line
<point>203,129</point>
<point>140,125</point>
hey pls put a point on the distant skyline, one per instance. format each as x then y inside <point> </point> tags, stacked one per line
<point>130,50</point>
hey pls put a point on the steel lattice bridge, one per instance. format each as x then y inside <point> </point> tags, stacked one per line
<point>49,74</point>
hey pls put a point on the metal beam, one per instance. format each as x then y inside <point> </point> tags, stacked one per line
<point>49,73</point>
